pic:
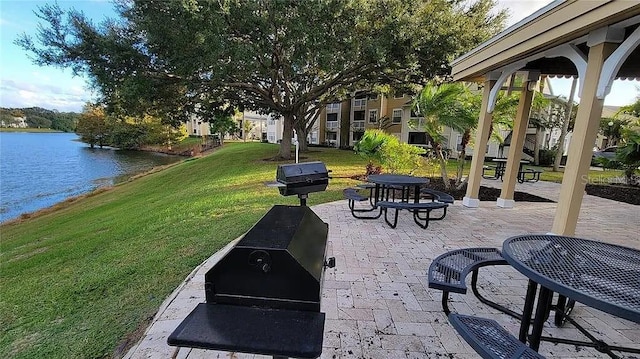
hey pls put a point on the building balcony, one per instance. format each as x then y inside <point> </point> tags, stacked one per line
<point>332,126</point>
<point>333,108</point>
<point>359,104</point>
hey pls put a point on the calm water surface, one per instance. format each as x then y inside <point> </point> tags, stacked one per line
<point>38,170</point>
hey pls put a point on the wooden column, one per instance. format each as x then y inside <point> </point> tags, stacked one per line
<point>479,148</point>
<point>518,135</point>
<point>581,147</point>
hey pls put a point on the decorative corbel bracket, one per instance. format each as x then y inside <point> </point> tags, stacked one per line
<point>613,63</point>
<point>579,59</point>
<point>502,75</point>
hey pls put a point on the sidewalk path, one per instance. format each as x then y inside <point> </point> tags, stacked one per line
<point>377,301</point>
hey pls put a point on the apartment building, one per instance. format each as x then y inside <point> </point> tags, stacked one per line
<point>254,124</point>
<point>197,127</point>
<point>342,124</point>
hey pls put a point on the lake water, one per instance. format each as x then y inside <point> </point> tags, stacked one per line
<point>38,170</point>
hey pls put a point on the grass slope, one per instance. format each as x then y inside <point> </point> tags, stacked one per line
<point>78,281</point>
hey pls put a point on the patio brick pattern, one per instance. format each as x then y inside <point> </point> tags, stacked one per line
<point>377,301</point>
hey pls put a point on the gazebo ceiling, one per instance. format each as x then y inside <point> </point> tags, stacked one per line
<point>534,41</point>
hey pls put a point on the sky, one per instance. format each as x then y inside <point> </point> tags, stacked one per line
<point>24,84</point>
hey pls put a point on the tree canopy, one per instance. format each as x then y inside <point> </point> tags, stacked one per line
<point>272,56</point>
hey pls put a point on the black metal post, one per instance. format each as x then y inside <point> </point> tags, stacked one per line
<point>527,311</point>
<point>542,309</point>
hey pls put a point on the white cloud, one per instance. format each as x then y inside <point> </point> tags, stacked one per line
<point>23,94</point>
<point>519,9</point>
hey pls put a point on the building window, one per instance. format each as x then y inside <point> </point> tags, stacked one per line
<point>417,138</point>
<point>397,116</point>
<point>313,137</point>
<point>373,116</point>
<point>332,117</point>
<point>357,136</point>
<point>333,107</point>
<point>358,115</point>
<point>332,138</point>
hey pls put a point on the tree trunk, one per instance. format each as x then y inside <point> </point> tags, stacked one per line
<point>301,131</point>
<point>461,160</point>
<point>287,133</point>
<point>536,147</point>
<point>443,167</point>
<point>565,126</point>
<point>466,136</point>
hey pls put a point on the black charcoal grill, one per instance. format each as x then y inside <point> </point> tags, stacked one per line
<point>301,179</point>
<point>263,296</point>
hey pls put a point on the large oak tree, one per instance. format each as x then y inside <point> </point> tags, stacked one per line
<point>197,57</point>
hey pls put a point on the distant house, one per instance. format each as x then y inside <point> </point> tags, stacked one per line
<point>254,124</point>
<point>18,122</point>
<point>197,127</point>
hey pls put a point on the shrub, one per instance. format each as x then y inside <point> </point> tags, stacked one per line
<point>546,157</point>
<point>385,149</point>
<point>399,157</point>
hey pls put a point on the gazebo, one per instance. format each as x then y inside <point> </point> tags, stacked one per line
<point>597,41</point>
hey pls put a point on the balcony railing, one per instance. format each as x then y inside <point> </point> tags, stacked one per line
<point>332,125</point>
<point>417,122</point>
<point>359,104</point>
<point>358,126</point>
<point>333,107</point>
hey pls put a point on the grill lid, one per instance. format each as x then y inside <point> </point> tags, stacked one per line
<point>279,263</point>
<point>307,172</point>
<point>302,178</point>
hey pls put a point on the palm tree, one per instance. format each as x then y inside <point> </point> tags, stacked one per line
<point>369,146</point>
<point>445,105</point>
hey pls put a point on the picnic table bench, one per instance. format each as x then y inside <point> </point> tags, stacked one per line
<point>417,209</point>
<point>487,172</point>
<point>353,195</point>
<point>489,339</point>
<point>437,195</point>
<point>449,270</point>
<point>529,175</point>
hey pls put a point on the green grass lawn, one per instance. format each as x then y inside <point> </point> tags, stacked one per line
<point>77,281</point>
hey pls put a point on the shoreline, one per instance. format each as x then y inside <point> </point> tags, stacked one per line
<point>70,200</point>
<point>30,130</point>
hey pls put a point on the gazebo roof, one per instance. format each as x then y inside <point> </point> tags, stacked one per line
<point>539,41</point>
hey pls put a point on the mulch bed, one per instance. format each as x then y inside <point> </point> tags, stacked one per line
<point>485,193</point>
<point>620,193</point>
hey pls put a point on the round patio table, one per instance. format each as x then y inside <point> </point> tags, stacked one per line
<point>388,182</point>
<point>600,275</point>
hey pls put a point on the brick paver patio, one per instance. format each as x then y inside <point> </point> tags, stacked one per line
<point>377,301</point>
